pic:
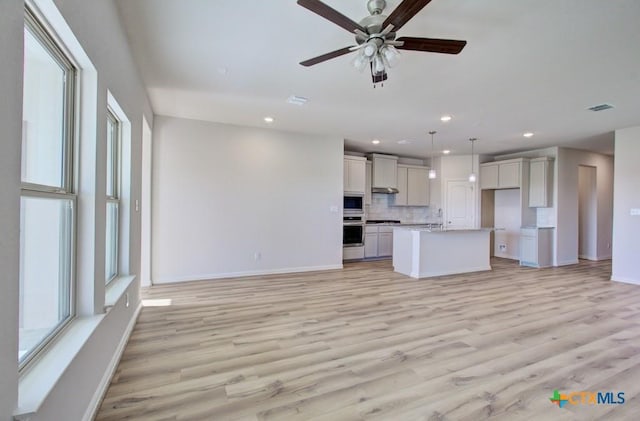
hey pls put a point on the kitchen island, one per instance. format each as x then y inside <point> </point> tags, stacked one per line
<point>422,252</point>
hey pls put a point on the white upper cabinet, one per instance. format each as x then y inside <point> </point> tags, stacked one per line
<point>501,175</point>
<point>367,184</point>
<point>541,182</point>
<point>384,171</point>
<point>413,186</point>
<point>489,176</point>
<point>509,175</point>
<point>354,174</point>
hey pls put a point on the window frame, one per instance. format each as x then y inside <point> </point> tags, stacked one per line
<point>67,189</point>
<point>115,198</point>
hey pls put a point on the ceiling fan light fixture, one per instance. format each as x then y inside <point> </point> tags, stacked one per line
<point>390,54</point>
<point>360,61</point>
<point>378,64</point>
<point>370,49</point>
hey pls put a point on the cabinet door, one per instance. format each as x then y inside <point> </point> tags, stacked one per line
<point>385,244</point>
<point>417,187</point>
<point>401,196</point>
<point>354,175</point>
<point>367,184</point>
<point>509,175</point>
<point>371,244</point>
<point>539,184</point>
<point>345,174</point>
<point>489,176</point>
<point>529,249</point>
<point>357,170</point>
<point>384,172</point>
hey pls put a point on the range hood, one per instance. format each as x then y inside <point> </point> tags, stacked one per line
<point>384,173</point>
<point>385,190</point>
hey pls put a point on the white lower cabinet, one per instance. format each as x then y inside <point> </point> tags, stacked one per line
<point>371,243</point>
<point>536,247</point>
<point>378,241</point>
<point>352,253</point>
<point>385,243</point>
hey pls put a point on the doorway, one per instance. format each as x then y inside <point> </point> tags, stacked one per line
<point>587,213</point>
<point>461,205</point>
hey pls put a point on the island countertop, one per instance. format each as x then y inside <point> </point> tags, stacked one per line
<point>442,230</point>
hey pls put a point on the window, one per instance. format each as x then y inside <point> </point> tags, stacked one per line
<point>48,200</point>
<point>114,131</point>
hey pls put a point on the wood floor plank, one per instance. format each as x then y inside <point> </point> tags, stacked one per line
<point>366,343</point>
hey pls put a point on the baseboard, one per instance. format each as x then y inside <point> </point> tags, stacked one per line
<point>169,280</point>
<point>604,257</point>
<point>96,400</point>
<point>625,280</point>
<point>445,273</point>
<point>568,262</point>
<point>506,256</point>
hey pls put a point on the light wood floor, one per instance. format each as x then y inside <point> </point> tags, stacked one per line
<point>367,343</point>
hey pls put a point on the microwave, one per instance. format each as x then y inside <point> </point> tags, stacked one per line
<point>353,203</point>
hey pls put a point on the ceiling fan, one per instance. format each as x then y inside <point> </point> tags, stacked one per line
<point>376,41</point>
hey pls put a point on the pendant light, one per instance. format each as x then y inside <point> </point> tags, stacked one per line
<point>432,171</point>
<point>472,176</point>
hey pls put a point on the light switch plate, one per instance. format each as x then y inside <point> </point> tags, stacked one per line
<point>634,212</point>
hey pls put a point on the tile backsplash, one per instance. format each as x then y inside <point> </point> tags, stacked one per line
<point>382,207</point>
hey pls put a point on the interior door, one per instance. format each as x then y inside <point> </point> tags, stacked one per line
<point>461,206</point>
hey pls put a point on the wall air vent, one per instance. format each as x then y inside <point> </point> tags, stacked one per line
<point>600,107</point>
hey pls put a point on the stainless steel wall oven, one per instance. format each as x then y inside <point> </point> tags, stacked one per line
<point>353,231</point>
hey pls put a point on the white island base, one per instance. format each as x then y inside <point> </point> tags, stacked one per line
<point>422,253</point>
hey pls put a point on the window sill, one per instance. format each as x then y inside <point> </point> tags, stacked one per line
<point>40,379</point>
<point>116,289</point>
<point>37,382</point>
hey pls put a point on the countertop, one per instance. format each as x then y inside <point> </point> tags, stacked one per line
<point>444,230</point>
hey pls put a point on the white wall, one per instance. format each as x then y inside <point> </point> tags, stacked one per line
<point>569,161</point>
<point>224,194</point>
<point>507,221</point>
<point>626,228</point>
<point>11,50</point>
<point>97,27</point>
<point>587,213</point>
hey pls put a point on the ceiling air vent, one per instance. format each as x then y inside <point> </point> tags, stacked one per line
<point>600,107</point>
<point>297,100</point>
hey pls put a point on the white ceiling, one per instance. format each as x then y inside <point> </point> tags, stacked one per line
<point>528,66</point>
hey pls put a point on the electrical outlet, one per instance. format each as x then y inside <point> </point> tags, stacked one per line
<point>257,256</point>
<point>634,212</point>
<point>502,247</point>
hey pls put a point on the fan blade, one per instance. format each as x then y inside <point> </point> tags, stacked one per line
<point>433,45</point>
<point>405,11</point>
<point>326,57</point>
<point>319,8</point>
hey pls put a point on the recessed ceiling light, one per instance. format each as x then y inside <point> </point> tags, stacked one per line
<point>445,118</point>
<point>528,134</point>
<point>446,152</point>
<point>375,141</point>
<point>268,119</point>
<point>404,142</point>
